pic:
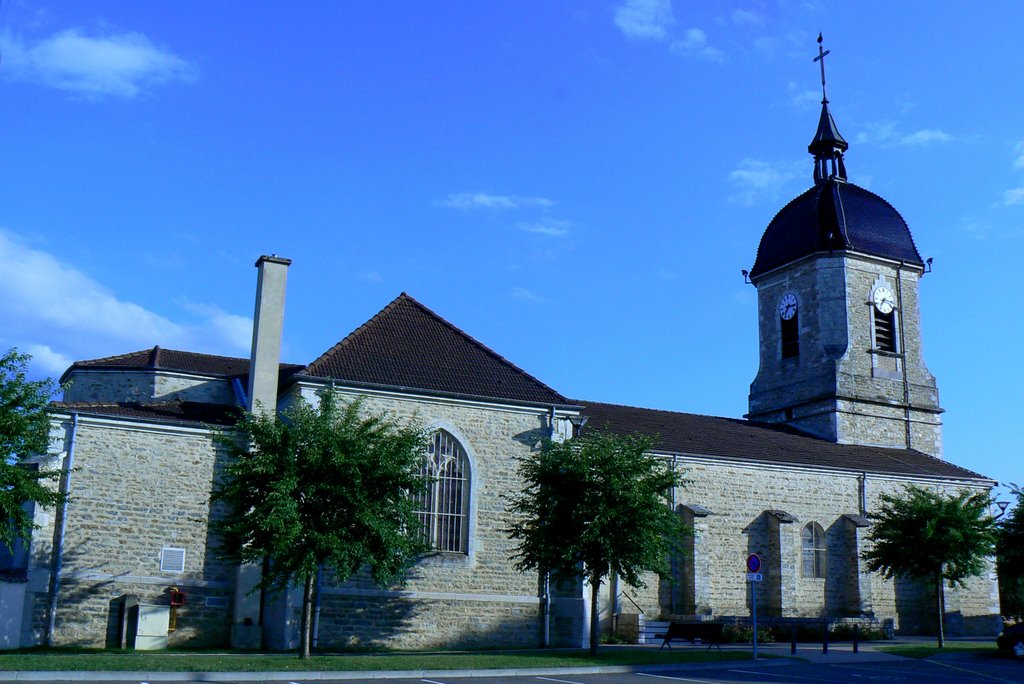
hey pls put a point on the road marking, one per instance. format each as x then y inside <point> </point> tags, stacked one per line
<point>678,679</point>
<point>772,674</point>
<point>563,681</point>
<point>972,672</point>
<point>431,681</point>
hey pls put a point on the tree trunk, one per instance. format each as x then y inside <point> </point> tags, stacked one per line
<point>940,600</point>
<point>595,614</point>
<point>307,617</point>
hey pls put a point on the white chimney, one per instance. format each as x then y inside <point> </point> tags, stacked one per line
<point>267,325</point>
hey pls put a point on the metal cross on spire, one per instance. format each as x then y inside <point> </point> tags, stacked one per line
<point>821,58</point>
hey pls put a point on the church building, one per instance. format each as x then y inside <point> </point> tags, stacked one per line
<point>841,411</point>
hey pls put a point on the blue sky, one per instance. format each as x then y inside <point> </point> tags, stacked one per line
<point>575,184</point>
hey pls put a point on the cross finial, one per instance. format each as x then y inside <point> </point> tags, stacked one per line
<point>821,58</point>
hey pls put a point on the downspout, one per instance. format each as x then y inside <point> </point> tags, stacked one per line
<point>675,560</point>
<point>903,356</point>
<point>862,494</point>
<point>545,597</point>
<point>58,551</point>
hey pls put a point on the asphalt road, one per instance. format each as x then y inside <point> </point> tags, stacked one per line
<point>959,668</point>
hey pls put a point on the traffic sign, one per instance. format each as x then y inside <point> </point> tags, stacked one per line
<point>754,577</point>
<point>753,563</point>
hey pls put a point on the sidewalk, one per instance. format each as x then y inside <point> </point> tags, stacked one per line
<point>772,655</point>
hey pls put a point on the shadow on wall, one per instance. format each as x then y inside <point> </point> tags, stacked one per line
<point>915,606</point>
<point>763,539</point>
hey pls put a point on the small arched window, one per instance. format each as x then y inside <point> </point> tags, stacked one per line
<point>444,507</point>
<point>812,540</point>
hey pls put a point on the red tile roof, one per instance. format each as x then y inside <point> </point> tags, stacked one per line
<point>406,345</point>
<point>174,360</point>
<point>731,438</point>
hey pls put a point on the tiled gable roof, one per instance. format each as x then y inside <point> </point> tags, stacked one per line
<point>687,433</point>
<point>190,413</point>
<point>408,346</point>
<point>174,360</point>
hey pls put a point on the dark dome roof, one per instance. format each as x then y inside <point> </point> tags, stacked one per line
<point>835,215</point>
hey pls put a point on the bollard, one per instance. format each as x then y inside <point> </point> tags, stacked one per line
<point>792,643</point>
<point>856,634</point>
<point>824,641</point>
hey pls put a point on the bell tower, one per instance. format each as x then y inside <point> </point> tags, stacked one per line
<point>837,276</point>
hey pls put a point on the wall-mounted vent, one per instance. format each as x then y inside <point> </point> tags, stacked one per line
<point>172,559</point>
<point>216,601</point>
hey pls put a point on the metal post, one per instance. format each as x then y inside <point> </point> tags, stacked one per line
<point>856,638</point>
<point>792,643</point>
<point>753,602</point>
<point>824,641</point>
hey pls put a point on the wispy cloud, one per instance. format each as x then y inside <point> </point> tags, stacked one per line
<point>524,294</point>
<point>116,64</point>
<point>926,136</point>
<point>745,17</point>
<point>802,99</point>
<point>370,276</point>
<point>1018,155</point>
<point>1013,197</point>
<point>886,133</point>
<point>58,312</point>
<point>645,19</point>
<point>694,43</point>
<point>756,180</point>
<point>467,201</point>
<point>546,226</point>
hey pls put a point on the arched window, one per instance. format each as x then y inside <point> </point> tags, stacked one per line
<point>444,508</point>
<point>812,540</point>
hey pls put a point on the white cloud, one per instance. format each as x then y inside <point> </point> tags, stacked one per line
<point>546,226</point>
<point>45,361</point>
<point>1018,151</point>
<point>57,312</point>
<point>803,100</point>
<point>926,136</point>
<point>756,180</point>
<point>1013,197</point>
<point>482,200</point>
<point>371,276</point>
<point>886,133</point>
<point>745,17</point>
<point>114,64</point>
<point>694,43</point>
<point>645,19</point>
<point>524,294</point>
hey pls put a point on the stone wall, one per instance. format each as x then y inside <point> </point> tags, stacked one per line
<point>147,385</point>
<point>135,490</point>
<point>747,503</point>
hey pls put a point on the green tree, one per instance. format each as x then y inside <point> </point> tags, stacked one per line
<point>1010,558</point>
<point>595,505</point>
<point>321,486</point>
<point>939,538</point>
<point>24,431</point>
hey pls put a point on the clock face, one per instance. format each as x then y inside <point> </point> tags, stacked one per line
<point>787,306</point>
<point>884,300</point>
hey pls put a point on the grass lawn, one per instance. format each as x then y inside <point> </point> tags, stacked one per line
<point>191,661</point>
<point>922,651</point>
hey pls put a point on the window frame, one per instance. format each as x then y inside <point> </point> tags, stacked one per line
<point>448,528</point>
<point>813,551</point>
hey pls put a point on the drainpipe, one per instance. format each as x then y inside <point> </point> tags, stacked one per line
<point>903,356</point>
<point>545,597</point>
<point>862,494</point>
<point>58,551</point>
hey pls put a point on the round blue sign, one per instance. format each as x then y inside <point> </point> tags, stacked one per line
<point>753,563</point>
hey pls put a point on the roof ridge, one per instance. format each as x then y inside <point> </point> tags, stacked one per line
<point>406,298</point>
<point>586,402</point>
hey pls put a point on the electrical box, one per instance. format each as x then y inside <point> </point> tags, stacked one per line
<point>148,626</point>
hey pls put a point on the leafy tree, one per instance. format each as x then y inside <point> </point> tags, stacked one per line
<point>1010,558</point>
<point>931,536</point>
<point>24,431</point>
<point>325,486</point>
<point>594,505</point>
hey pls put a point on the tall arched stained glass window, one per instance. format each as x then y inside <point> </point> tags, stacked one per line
<point>813,550</point>
<point>444,508</point>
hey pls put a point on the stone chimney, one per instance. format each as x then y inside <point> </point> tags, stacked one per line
<point>267,325</point>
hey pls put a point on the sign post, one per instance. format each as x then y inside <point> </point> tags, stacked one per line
<point>753,577</point>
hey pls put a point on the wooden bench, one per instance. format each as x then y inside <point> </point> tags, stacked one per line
<point>709,633</point>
